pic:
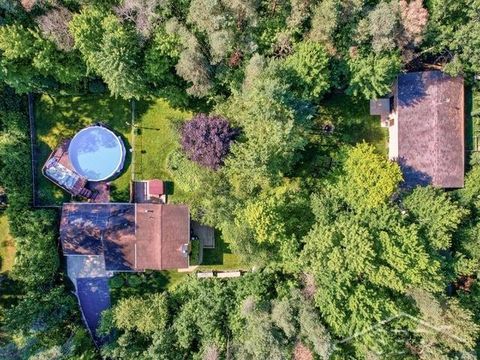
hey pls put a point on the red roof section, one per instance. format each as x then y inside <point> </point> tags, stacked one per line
<point>163,232</point>
<point>155,188</point>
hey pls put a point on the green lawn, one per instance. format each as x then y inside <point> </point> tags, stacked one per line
<point>58,118</point>
<point>353,122</point>
<point>7,246</point>
<point>124,285</point>
<point>156,137</point>
<point>221,257</point>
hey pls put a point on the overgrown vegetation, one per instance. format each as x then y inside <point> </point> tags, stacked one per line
<point>336,244</point>
<point>7,246</point>
<point>39,317</point>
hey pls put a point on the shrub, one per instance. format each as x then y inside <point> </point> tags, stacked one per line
<point>206,140</point>
<point>195,252</point>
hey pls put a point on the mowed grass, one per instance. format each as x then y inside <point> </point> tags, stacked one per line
<point>221,257</point>
<point>7,246</point>
<point>60,118</point>
<point>156,137</point>
<point>472,119</point>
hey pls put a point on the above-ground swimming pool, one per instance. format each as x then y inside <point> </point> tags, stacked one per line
<point>96,153</point>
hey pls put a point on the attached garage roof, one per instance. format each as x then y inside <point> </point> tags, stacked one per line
<point>430,111</point>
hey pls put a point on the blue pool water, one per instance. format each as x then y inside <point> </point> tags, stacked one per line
<point>96,153</point>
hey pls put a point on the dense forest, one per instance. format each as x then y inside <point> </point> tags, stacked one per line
<point>335,241</point>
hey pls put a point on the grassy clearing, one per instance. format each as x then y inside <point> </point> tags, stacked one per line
<point>58,118</point>
<point>7,246</point>
<point>124,285</point>
<point>156,129</point>
<point>157,137</point>
<point>221,257</point>
<point>353,122</point>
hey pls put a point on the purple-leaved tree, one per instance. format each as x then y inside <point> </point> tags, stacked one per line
<point>206,140</point>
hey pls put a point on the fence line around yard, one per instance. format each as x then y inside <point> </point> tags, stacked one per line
<point>34,153</point>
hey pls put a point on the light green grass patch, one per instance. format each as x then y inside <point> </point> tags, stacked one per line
<point>221,257</point>
<point>7,246</point>
<point>156,137</point>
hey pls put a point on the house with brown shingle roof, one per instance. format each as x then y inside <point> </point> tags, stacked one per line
<point>129,236</point>
<point>100,239</point>
<point>426,128</point>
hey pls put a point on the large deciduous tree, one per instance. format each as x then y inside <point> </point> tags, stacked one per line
<point>372,75</point>
<point>29,62</point>
<point>310,63</point>
<point>193,64</point>
<point>207,139</point>
<point>455,34</point>
<point>364,253</point>
<point>368,180</point>
<point>110,49</point>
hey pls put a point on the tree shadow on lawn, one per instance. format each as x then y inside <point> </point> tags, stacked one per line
<point>469,122</point>
<point>352,121</point>
<point>61,117</point>
<point>77,112</point>
<point>124,285</point>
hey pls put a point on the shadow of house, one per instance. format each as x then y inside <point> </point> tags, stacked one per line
<point>413,177</point>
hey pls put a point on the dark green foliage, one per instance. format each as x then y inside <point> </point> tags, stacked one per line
<point>34,230</point>
<point>45,321</point>
<point>206,316</point>
<point>309,63</point>
<point>372,75</point>
<point>195,252</point>
<point>370,250</point>
<point>436,213</point>
<point>31,63</point>
<point>455,30</point>
<point>365,260</point>
<point>110,49</point>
